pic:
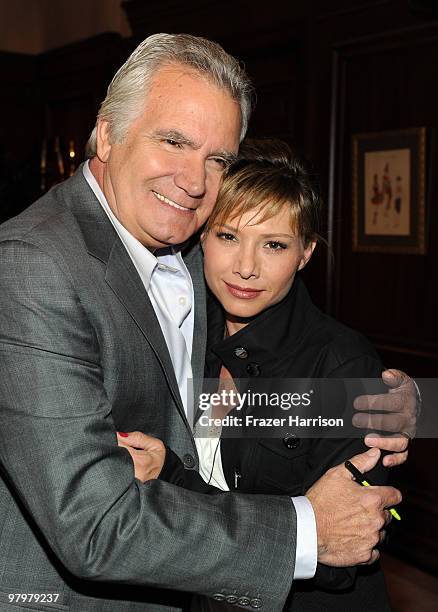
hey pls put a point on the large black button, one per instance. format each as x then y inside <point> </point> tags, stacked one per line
<point>189,461</point>
<point>253,369</point>
<point>241,352</point>
<point>256,603</point>
<point>218,596</point>
<point>291,441</point>
<point>244,601</point>
<point>231,599</point>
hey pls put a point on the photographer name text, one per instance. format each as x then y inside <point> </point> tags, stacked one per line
<point>253,421</point>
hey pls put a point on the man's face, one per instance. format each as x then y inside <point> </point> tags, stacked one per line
<point>161,182</point>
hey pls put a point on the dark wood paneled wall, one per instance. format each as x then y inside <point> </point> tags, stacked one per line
<point>323,70</point>
<point>387,81</point>
<point>55,94</point>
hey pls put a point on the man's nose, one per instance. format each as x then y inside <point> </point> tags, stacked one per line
<point>191,177</point>
<point>246,264</point>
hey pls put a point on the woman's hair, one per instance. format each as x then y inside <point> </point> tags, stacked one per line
<point>127,91</point>
<point>266,177</point>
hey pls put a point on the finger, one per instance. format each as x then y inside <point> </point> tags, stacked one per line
<point>396,422</point>
<point>373,558</point>
<point>122,443</point>
<point>388,517</point>
<point>133,450</point>
<point>394,460</point>
<point>395,378</point>
<point>130,450</point>
<point>394,401</point>
<point>395,443</point>
<point>382,536</point>
<point>389,496</point>
<point>136,454</point>
<point>364,461</point>
<point>136,439</point>
<point>401,397</point>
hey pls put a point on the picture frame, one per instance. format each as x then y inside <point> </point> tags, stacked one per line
<point>389,191</point>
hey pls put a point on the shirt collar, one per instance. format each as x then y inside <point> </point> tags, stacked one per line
<point>143,260</point>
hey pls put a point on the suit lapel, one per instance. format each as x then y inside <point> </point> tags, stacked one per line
<point>103,243</point>
<point>194,262</point>
<point>123,279</point>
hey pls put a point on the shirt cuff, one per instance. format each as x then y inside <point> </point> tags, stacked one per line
<point>307,542</point>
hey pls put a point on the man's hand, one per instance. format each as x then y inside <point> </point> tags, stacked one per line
<point>400,407</point>
<point>350,518</point>
<point>148,453</point>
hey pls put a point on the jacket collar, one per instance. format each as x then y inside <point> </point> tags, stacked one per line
<point>273,334</point>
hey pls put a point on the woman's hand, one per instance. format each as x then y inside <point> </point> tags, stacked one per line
<point>148,453</point>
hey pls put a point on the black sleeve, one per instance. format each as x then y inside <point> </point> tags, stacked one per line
<point>173,471</point>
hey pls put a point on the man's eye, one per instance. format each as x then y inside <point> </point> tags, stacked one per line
<point>274,245</point>
<point>173,143</point>
<point>220,161</point>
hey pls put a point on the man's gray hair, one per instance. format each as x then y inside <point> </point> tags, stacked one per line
<point>127,91</point>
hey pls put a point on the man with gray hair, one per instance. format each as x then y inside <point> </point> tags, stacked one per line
<point>102,321</point>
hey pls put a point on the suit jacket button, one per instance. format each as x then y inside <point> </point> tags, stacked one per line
<point>291,441</point>
<point>244,601</point>
<point>188,461</point>
<point>256,603</point>
<point>253,369</point>
<point>218,596</point>
<point>240,352</point>
<point>231,599</point>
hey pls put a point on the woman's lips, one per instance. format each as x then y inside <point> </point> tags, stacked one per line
<point>245,293</point>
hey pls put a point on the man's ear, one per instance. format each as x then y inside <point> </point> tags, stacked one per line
<point>308,252</point>
<point>103,144</point>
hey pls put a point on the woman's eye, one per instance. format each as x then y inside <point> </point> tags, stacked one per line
<point>226,236</point>
<point>274,245</point>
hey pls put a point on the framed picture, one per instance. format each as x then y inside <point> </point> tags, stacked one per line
<point>389,191</point>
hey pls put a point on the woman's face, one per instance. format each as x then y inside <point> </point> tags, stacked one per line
<point>250,266</point>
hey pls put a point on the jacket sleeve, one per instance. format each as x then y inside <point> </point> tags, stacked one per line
<point>58,449</point>
<point>328,452</point>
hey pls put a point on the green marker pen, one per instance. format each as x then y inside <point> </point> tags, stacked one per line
<point>358,476</point>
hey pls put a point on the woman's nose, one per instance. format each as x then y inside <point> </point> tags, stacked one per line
<point>246,263</point>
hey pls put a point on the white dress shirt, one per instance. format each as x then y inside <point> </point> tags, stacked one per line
<point>169,287</point>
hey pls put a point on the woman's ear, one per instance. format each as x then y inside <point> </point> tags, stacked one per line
<point>202,238</point>
<point>307,254</point>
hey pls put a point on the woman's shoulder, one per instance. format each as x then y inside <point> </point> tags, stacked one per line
<point>345,341</point>
<point>342,346</point>
<point>331,340</point>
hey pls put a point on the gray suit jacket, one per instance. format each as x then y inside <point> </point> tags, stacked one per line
<point>81,356</point>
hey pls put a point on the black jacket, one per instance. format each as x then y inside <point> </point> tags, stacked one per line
<point>294,339</point>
